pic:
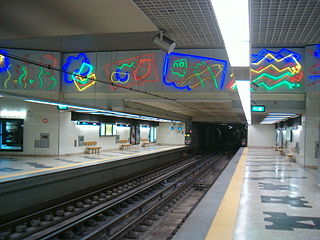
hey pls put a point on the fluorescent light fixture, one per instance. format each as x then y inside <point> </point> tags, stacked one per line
<point>282,114</point>
<point>13,114</point>
<point>233,20</point>
<point>277,117</point>
<point>243,87</point>
<point>101,111</point>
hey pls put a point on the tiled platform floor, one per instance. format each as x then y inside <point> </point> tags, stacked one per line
<point>14,167</point>
<point>279,200</point>
<point>268,198</point>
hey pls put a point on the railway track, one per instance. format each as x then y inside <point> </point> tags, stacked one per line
<point>114,212</point>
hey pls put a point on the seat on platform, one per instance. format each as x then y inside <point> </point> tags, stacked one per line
<point>124,144</point>
<point>91,147</point>
<point>145,142</point>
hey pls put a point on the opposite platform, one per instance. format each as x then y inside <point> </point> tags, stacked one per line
<point>76,176</point>
<point>17,167</point>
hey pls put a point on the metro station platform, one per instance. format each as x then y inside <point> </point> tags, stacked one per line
<point>18,167</point>
<point>260,195</point>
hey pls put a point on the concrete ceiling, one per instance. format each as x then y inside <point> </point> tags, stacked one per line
<point>199,110</point>
<point>103,25</point>
<point>37,18</point>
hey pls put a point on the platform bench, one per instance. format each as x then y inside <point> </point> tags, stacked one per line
<point>291,157</point>
<point>276,148</point>
<point>91,147</point>
<point>145,142</point>
<point>124,144</point>
<point>282,151</point>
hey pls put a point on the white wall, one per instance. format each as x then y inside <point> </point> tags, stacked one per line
<point>63,132</point>
<point>168,136</point>
<point>124,133</point>
<point>260,135</point>
<point>34,125</point>
<point>69,131</point>
<point>144,133</point>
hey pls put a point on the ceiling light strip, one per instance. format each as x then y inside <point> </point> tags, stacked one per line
<point>233,20</point>
<point>244,93</point>
<point>104,112</point>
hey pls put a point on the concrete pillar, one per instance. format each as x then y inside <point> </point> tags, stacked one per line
<point>312,129</point>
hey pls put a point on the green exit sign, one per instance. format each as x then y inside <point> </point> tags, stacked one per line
<point>258,108</point>
<point>62,107</point>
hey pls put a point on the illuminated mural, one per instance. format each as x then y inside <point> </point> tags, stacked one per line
<point>314,71</point>
<point>79,71</point>
<point>26,75</point>
<point>232,83</point>
<point>271,70</point>
<point>4,61</point>
<point>184,71</point>
<point>132,71</point>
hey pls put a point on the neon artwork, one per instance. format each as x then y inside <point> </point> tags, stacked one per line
<point>4,61</point>
<point>232,83</point>
<point>132,71</point>
<point>40,77</point>
<point>314,70</point>
<point>54,63</point>
<point>52,59</point>
<point>82,71</point>
<point>181,64</point>
<point>79,59</point>
<point>50,76</point>
<point>271,70</point>
<point>120,76</point>
<point>22,76</point>
<point>84,77</point>
<point>22,79</point>
<point>80,75</point>
<point>8,78</point>
<point>285,83</point>
<point>274,55</point>
<point>187,72</point>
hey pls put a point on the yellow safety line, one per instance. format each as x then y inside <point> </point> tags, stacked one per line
<point>223,225</point>
<point>78,164</point>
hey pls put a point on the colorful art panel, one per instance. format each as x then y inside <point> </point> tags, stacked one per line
<point>277,70</point>
<point>4,61</point>
<point>232,82</point>
<point>188,72</point>
<point>313,68</point>
<point>16,74</point>
<point>79,71</point>
<point>137,70</point>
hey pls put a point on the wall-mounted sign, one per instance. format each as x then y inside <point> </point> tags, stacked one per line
<point>62,107</point>
<point>13,114</point>
<point>258,108</point>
